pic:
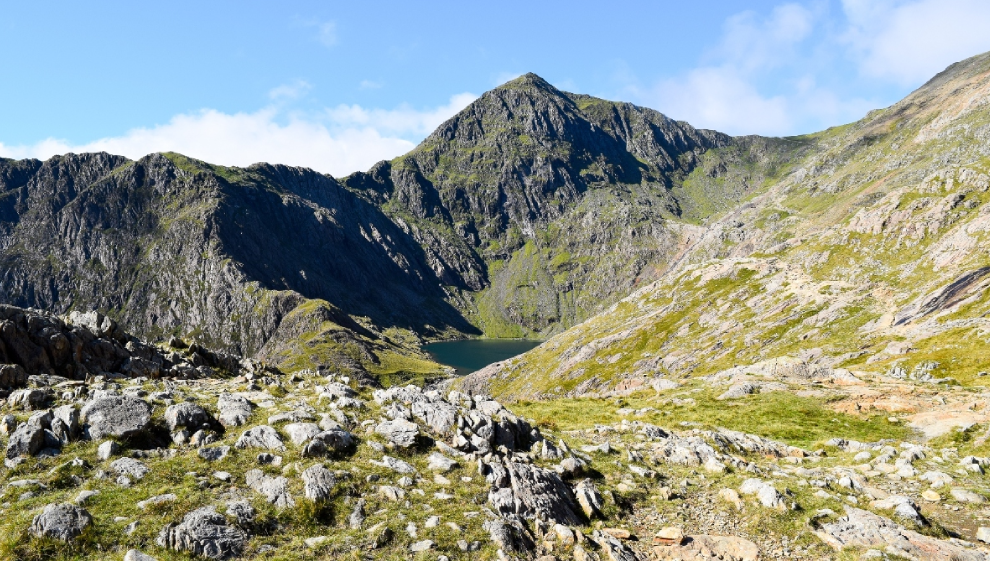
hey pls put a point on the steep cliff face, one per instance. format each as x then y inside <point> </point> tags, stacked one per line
<point>524,214</point>
<point>868,253</point>
<point>540,207</point>
<point>170,245</point>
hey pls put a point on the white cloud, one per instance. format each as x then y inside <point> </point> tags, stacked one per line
<point>339,141</point>
<point>370,85</point>
<point>720,98</point>
<point>327,33</point>
<point>295,90</point>
<point>760,76</point>
<point>909,42</point>
<point>401,121</point>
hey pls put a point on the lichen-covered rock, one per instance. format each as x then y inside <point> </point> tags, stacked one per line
<point>861,528</point>
<point>118,416</point>
<point>130,467</point>
<point>274,489</point>
<point>264,437</point>
<point>530,491</point>
<point>318,482</point>
<point>61,521</point>
<point>399,432</point>
<point>27,440</point>
<point>204,532</point>
<point>187,415</point>
<point>234,410</point>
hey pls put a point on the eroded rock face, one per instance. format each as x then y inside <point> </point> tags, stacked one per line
<point>399,432</point>
<point>61,521</point>
<point>234,410</point>
<point>27,440</point>
<point>274,489</point>
<point>264,437</point>
<point>204,532</point>
<point>530,491</point>
<point>187,415</point>
<point>318,482</point>
<point>861,528</point>
<point>118,416</point>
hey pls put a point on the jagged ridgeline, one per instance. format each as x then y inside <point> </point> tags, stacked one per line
<point>869,254</point>
<point>527,212</point>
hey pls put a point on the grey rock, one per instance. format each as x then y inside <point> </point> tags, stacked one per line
<point>118,416</point>
<point>424,545</point>
<point>966,496</point>
<point>215,453</point>
<point>861,528</point>
<point>441,463</point>
<point>765,493</point>
<point>107,450</point>
<point>204,532</point>
<point>614,549</point>
<point>69,416</point>
<point>587,495</point>
<point>234,410</point>
<point>135,555</point>
<point>12,376</point>
<point>291,417</point>
<point>328,442</point>
<point>740,390</point>
<point>509,536</point>
<point>187,415</point>
<point>7,424</point>
<point>157,500</point>
<point>27,440</point>
<point>399,432</point>
<point>274,489</point>
<point>318,482</point>
<point>301,432</point>
<point>530,491</point>
<point>263,437</point>
<point>395,465</point>
<point>130,467</point>
<point>61,521</point>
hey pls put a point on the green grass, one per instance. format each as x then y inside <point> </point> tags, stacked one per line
<point>798,421</point>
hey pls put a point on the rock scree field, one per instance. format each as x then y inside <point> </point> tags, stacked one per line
<point>753,348</point>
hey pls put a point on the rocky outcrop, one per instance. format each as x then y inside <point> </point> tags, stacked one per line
<point>61,521</point>
<point>204,532</point>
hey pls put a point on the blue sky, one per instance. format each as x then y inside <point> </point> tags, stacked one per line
<point>337,86</point>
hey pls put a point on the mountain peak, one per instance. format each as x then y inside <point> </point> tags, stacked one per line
<point>528,80</point>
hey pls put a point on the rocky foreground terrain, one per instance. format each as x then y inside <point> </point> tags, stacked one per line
<point>175,455</point>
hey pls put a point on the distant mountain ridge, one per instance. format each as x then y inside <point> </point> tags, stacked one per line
<point>870,253</point>
<point>529,211</point>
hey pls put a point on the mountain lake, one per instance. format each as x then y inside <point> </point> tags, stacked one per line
<point>468,355</point>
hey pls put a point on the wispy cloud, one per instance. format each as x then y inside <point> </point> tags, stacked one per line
<point>327,33</point>
<point>295,90</point>
<point>907,42</point>
<point>338,141</point>
<point>370,85</point>
<point>761,77</point>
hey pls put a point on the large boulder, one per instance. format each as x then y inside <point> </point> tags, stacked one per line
<point>318,482</point>
<point>861,528</point>
<point>187,415</point>
<point>120,416</point>
<point>27,440</point>
<point>530,491</point>
<point>61,521</point>
<point>204,532</point>
<point>12,376</point>
<point>400,432</point>
<point>263,437</point>
<point>234,410</point>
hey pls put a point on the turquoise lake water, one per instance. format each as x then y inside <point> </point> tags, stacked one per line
<point>474,354</point>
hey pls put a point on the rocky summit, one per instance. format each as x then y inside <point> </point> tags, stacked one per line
<point>755,348</point>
